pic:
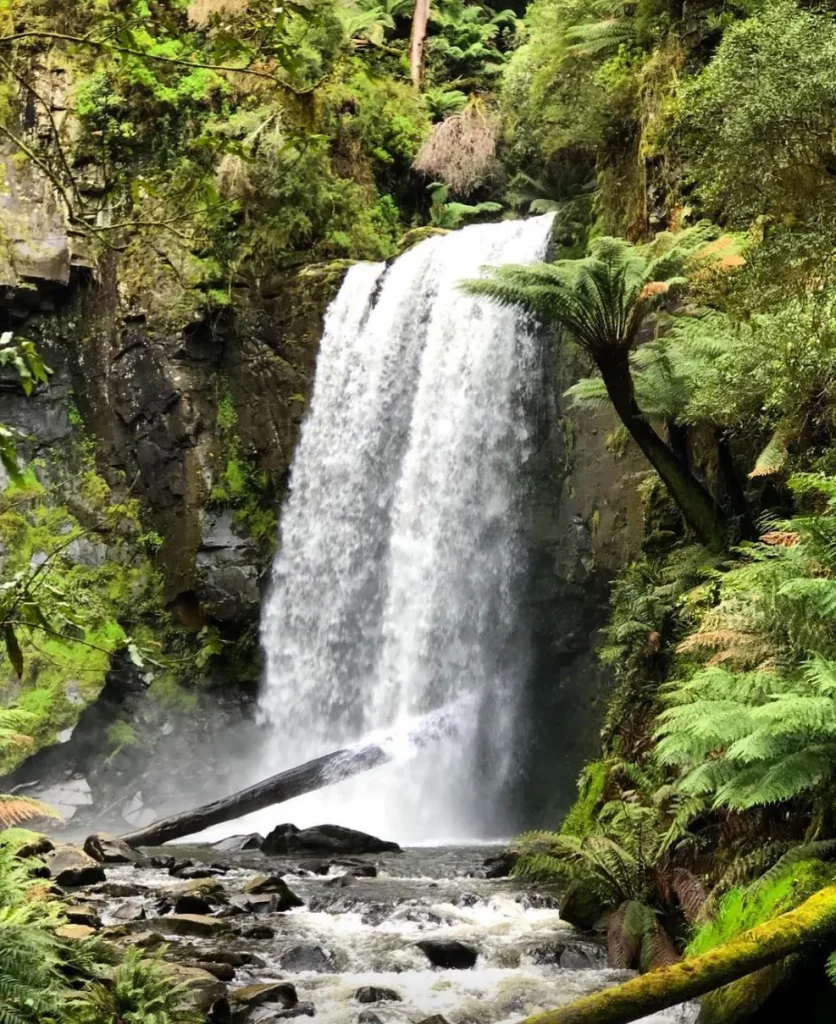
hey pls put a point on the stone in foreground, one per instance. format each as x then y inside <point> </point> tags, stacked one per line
<point>75,932</point>
<point>70,866</point>
<point>204,990</point>
<point>448,953</point>
<point>281,992</point>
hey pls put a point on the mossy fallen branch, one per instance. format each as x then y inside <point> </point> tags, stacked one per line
<point>799,929</point>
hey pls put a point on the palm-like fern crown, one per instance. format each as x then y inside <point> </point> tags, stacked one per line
<point>602,299</point>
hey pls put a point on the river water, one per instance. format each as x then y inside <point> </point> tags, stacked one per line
<point>367,932</point>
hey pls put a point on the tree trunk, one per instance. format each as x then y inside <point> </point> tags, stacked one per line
<point>806,926</point>
<point>700,510</point>
<point>316,774</point>
<point>731,484</point>
<point>416,41</point>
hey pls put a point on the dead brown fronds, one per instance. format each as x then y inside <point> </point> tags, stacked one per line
<point>14,809</point>
<point>460,150</point>
<point>780,538</point>
<point>201,11</point>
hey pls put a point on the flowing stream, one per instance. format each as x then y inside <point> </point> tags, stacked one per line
<point>396,589</point>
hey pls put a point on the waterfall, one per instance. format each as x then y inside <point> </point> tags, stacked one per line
<point>395,591</point>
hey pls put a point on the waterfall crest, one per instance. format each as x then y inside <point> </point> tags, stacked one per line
<point>395,589</point>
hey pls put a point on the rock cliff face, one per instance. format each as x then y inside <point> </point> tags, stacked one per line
<point>198,420</point>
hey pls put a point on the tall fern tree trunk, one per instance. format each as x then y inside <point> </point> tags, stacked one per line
<point>420,19</point>
<point>700,510</point>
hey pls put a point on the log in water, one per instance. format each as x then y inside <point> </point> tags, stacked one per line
<point>305,778</point>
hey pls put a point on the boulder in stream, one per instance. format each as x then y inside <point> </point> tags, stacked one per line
<point>307,958</point>
<point>281,992</point>
<point>286,899</point>
<point>204,990</point>
<point>239,844</point>
<point>368,1017</point>
<point>375,994</point>
<point>191,924</point>
<point>108,849</point>
<point>448,953</point>
<point>324,839</point>
<point>70,866</point>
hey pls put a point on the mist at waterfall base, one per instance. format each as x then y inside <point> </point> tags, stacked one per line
<point>396,590</point>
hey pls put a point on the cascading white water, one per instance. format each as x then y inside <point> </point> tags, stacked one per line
<point>395,591</point>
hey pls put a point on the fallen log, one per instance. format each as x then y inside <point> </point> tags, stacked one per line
<point>322,771</point>
<point>797,930</point>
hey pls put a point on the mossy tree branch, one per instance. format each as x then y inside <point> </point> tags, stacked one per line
<point>796,931</point>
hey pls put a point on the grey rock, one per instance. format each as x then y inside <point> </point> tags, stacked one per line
<point>281,992</point>
<point>448,953</point>
<point>189,903</point>
<point>324,839</point>
<point>259,931</point>
<point>66,797</point>
<point>108,849</point>
<point>70,866</point>
<point>374,994</point>
<point>237,844</point>
<point>306,958</point>
<point>285,898</point>
<point>368,1017</point>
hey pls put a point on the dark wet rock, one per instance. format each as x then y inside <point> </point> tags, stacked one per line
<point>569,953</point>
<point>223,972</point>
<point>189,903</point>
<point>307,958</point>
<point>162,863</point>
<point>448,953</point>
<point>300,1010</point>
<point>163,906</point>
<point>179,865</point>
<point>121,889</point>
<point>583,958</point>
<point>204,990</point>
<point>70,866</point>
<point>324,839</point>
<point>83,915</point>
<point>259,931</point>
<point>286,899</point>
<point>368,1017</point>
<point>281,992</point>
<point>358,868</point>
<point>226,956</point>
<point>341,881</point>
<point>198,871</point>
<point>375,913</point>
<point>129,912</point>
<point>374,994</point>
<point>581,907</point>
<point>435,1019</point>
<point>238,844</point>
<point>500,865</point>
<point>538,901</point>
<point>147,940</point>
<point>467,899</point>
<point>191,924</point>
<point>108,849</point>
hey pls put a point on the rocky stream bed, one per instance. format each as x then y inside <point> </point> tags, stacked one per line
<point>387,938</point>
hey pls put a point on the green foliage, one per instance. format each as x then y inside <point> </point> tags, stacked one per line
<point>451,215</point>
<point>582,817</point>
<point>755,725</point>
<point>141,992</point>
